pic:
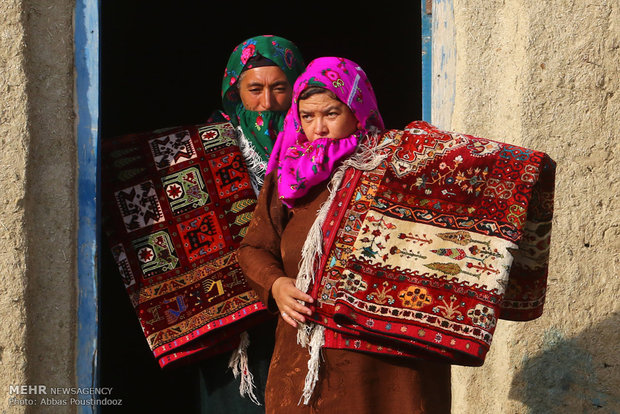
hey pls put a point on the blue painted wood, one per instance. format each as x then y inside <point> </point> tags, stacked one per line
<point>86,41</point>
<point>443,86</point>
<point>427,69</point>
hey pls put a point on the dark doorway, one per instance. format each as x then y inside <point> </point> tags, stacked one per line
<point>162,66</point>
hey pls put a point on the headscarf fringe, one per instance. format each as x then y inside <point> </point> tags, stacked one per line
<point>368,156</point>
<point>240,368</point>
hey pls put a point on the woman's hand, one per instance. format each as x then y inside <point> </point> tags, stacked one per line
<point>286,296</point>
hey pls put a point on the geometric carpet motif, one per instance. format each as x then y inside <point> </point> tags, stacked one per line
<point>176,204</point>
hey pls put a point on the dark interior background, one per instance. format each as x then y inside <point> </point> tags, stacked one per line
<point>162,66</point>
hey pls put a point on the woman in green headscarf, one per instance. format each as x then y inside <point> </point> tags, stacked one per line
<point>256,93</point>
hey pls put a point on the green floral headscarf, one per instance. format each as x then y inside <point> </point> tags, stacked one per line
<point>259,128</point>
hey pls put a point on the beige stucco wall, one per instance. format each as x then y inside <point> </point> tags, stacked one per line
<point>546,75</point>
<point>13,159</point>
<point>37,197</point>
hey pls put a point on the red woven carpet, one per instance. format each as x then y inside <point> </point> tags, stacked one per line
<point>426,252</point>
<point>176,205</point>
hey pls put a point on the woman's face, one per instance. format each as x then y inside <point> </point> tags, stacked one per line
<point>265,88</point>
<point>325,117</point>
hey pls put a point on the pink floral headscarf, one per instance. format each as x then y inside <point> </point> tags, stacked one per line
<point>301,164</point>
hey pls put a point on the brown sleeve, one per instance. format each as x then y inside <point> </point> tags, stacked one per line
<point>259,253</point>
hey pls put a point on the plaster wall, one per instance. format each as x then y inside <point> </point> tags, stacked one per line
<point>37,198</point>
<point>546,75</point>
<point>14,141</point>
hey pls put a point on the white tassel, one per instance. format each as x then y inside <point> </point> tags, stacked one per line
<point>367,157</point>
<point>314,347</point>
<point>309,334</point>
<point>257,167</point>
<point>311,253</point>
<point>239,365</point>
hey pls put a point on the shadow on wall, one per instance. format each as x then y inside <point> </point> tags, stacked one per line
<point>573,375</point>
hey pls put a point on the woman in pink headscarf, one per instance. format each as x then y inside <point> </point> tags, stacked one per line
<point>334,111</point>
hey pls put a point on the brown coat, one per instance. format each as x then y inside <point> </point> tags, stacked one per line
<point>349,382</point>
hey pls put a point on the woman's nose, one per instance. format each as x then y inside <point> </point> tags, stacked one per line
<point>320,127</point>
<point>267,101</point>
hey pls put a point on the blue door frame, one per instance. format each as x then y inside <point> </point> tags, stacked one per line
<point>86,41</point>
<point>87,66</point>
<point>427,57</point>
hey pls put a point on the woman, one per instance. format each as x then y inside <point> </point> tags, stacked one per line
<point>323,128</point>
<point>256,93</point>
